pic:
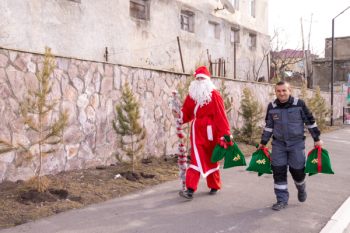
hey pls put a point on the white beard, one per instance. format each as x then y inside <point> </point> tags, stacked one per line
<point>200,91</point>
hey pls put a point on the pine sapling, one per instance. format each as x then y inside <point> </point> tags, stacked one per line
<point>317,105</point>
<point>303,92</point>
<point>228,102</point>
<point>35,110</point>
<point>127,126</point>
<point>251,111</point>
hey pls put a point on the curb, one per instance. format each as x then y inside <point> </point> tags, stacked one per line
<point>340,221</point>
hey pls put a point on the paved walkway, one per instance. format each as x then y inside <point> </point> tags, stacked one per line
<point>243,205</point>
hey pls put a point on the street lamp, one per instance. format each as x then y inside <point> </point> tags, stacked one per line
<point>333,65</point>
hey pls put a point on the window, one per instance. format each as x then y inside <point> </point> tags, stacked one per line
<point>252,8</point>
<point>234,35</point>
<point>235,4</point>
<point>139,9</point>
<point>214,30</point>
<point>187,21</point>
<point>77,1</point>
<point>252,41</point>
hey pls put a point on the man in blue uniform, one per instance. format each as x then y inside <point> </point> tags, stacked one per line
<point>285,119</point>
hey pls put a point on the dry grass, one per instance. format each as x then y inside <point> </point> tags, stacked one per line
<point>84,187</point>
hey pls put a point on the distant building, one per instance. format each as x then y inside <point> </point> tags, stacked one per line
<point>323,67</point>
<point>143,32</point>
<point>292,64</point>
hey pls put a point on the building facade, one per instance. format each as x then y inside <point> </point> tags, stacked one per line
<point>144,33</point>
<point>323,67</point>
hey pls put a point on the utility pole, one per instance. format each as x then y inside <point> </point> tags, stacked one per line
<point>308,58</point>
<point>332,76</point>
<point>304,55</point>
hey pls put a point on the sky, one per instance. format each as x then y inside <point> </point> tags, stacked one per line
<point>287,13</point>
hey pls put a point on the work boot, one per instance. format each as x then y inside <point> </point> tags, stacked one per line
<point>302,196</point>
<point>188,194</point>
<point>213,191</point>
<point>280,205</point>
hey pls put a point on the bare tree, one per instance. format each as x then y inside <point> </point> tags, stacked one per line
<point>254,67</point>
<point>281,60</point>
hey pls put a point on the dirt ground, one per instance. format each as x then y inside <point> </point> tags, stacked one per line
<point>75,189</point>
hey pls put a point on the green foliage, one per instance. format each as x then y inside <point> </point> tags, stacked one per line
<point>252,114</point>
<point>303,92</point>
<point>228,102</point>
<point>128,129</point>
<point>276,80</point>
<point>36,111</point>
<point>317,105</point>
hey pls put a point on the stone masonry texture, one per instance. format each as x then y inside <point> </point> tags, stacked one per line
<point>90,91</point>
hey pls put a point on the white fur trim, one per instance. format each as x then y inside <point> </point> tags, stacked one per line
<point>203,76</point>
<point>200,169</point>
<point>210,133</point>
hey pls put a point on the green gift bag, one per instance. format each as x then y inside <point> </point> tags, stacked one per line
<point>221,149</point>
<point>234,157</point>
<point>228,149</point>
<point>261,162</point>
<point>318,162</point>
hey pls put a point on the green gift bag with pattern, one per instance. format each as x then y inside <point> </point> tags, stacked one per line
<point>318,161</point>
<point>234,157</point>
<point>228,148</point>
<point>221,149</point>
<point>261,162</point>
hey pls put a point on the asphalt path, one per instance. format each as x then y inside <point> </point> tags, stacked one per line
<point>243,204</point>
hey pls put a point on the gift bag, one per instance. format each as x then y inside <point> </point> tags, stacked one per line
<point>234,157</point>
<point>261,162</point>
<point>318,162</point>
<point>228,148</point>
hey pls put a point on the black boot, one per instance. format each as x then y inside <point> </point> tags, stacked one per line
<point>280,205</point>
<point>188,194</point>
<point>213,191</point>
<point>302,196</point>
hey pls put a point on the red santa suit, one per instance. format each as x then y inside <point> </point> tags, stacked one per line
<point>209,125</point>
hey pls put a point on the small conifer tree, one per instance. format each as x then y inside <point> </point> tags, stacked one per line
<point>276,80</point>
<point>252,114</point>
<point>317,105</point>
<point>128,115</point>
<point>303,92</point>
<point>34,109</point>
<point>228,102</point>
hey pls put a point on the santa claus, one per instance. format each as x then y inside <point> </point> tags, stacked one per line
<point>205,108</point>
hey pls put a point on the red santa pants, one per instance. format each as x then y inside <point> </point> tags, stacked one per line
<point>192,179</point>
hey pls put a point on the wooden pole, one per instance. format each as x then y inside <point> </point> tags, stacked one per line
<point>268,68</point>
<point>211,66</point>
<point>208,58</point>
<point>106,54</point>
<point>219,67</point>
<point>234,60</point>
<point>304,57</point>
<point>215,63</point>
<point>182,62</point>
<point>224,68</point>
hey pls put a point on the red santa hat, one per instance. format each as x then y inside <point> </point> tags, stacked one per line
<point>202,72</point>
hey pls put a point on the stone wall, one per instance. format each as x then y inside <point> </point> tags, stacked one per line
<point>90,90</point>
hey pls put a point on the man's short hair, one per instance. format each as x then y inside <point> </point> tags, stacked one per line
<point>280,83</point>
